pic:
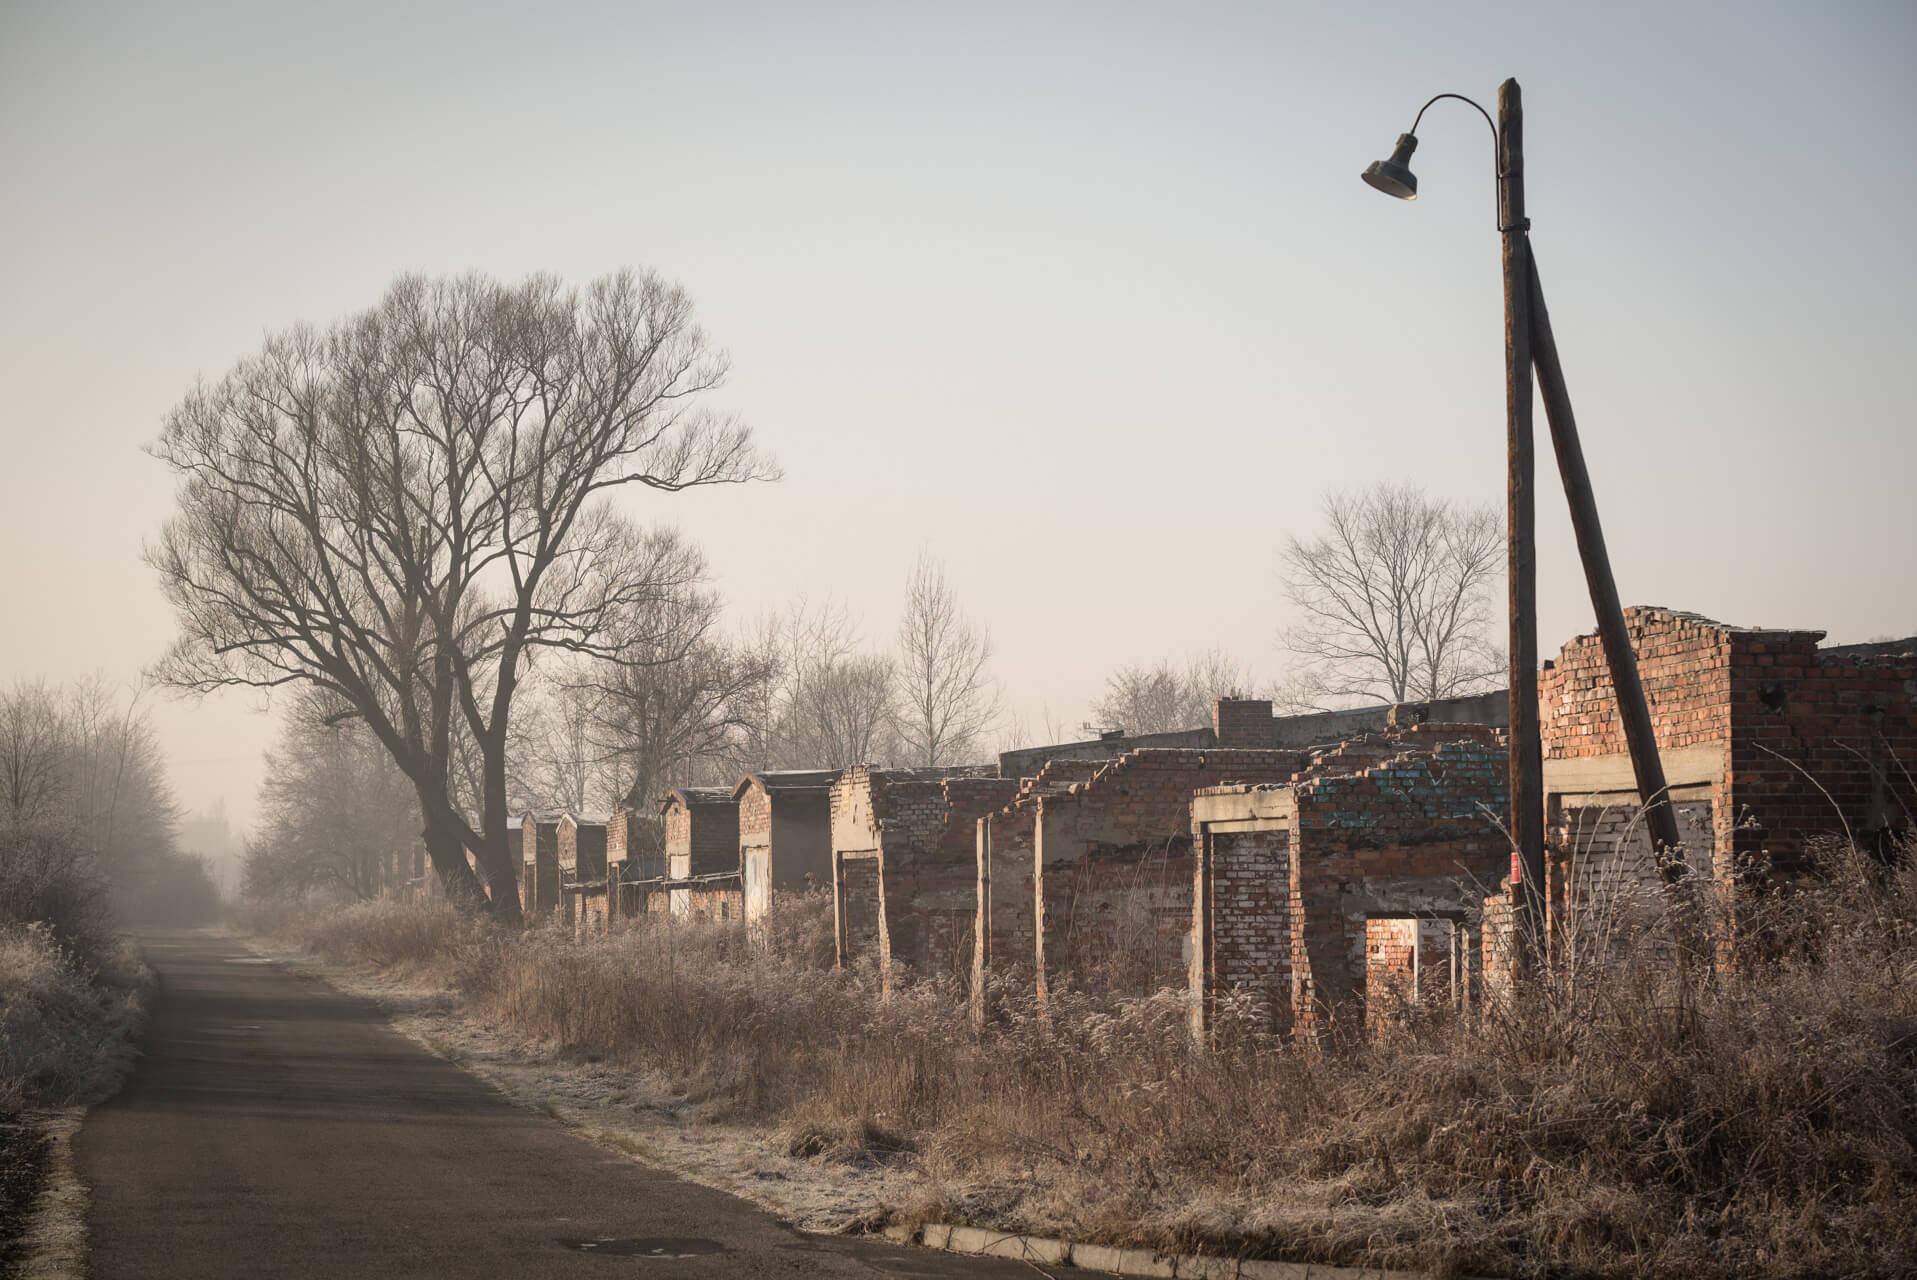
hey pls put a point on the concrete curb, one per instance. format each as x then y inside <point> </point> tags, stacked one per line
<point>1137,1262</point>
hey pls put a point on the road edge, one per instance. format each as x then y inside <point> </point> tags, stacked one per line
<point>55,1239</point>
<point>54,1242</point>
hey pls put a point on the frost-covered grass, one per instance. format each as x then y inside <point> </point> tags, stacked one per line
<point>1753,1119</point>
<point>65,1040</point>
<point>64,1027</point>
<point>72,992</point>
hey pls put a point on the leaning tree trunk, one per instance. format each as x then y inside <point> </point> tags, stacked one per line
<point>448,855</point>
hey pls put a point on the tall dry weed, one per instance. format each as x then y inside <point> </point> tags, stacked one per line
<point>1618,1115</point>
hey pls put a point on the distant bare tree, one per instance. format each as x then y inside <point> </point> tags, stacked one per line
<point>80,766</point>
<point>843,713</point>
<point>947,701</point>
<point>1212,675</point>
<point>34,749</point>
<point>334,808</point>
<point>555,759</point>
<point>1168,699</point>
<point>405,509</point>
<point>822,703</point>
<point>756,742</point>
<point>680,708</point>
<point>1393,599</point>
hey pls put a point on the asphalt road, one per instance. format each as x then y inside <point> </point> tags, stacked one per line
<point>276,1127</point>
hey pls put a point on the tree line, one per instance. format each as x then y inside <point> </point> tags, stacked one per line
<point>89,827</point>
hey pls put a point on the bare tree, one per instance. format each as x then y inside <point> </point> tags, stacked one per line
<point>677,710</point>
<point>1393,599</point>
<point>1168,699</point>
<point>947,701</point>
<point>405,509</point>
<point>334,807</point>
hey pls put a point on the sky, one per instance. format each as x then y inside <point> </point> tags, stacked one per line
<point>1087,301</point>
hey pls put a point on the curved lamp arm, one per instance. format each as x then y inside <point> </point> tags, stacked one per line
<point>1497,159</point>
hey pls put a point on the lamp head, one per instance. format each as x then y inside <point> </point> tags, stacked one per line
<point>1394,176</point>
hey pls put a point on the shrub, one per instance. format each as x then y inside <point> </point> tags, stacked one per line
<point>47,877</point>
<point>387,933</point>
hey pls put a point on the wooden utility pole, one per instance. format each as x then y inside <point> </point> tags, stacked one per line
<point>1527,760</point>
<point>1632,708</point>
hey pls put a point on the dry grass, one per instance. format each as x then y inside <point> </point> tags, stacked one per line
<point>1759,1119</point>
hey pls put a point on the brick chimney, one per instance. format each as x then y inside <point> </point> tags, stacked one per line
<point>1242,722</point>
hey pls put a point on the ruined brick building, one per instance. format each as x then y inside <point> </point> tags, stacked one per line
<point>1086,872</point>
<point>785,834</point>
<point>702,853</point>
<point>1766,739</point>
<point>581,854</point>
<point>903,866</point>
<point>1315,895</point>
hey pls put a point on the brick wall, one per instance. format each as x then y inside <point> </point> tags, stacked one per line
<point>874,810</point>
<point>785,834</point>
<point>539,873</point>
<point>856,908</point>
<point>918,826</point>
<point>755,816</point>
<point>1241,722</point>
<point>1026,762</point>
<point>1293,732</point>
<point>581,849</point>
<point>1241,927</point>
<point>1810,739</point>
<point>1004,898</point>
<point>1391,963</point>
<point>1820,741</point>
<point>1611,876</point>
<point>1411,963</point>
<point>591,914</point>
<point>718,899</point>
<point>1114,869</point>
<point>1415,833</point>
<point>929,899</point>
<point>675,819</point>
<point>1684,664</point>
<point>1002,926</point>
<point>755,844</point>
<point>631,900</point>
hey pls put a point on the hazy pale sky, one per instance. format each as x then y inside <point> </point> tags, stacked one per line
<point>1086,299</point>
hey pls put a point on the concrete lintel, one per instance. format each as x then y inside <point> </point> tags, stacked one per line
<point>1683,767</point>
<point>1267,804</point>
<point>1228,826</point>
<point>1626,797</point>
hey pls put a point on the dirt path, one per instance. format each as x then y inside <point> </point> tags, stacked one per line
<point>279,1128</point>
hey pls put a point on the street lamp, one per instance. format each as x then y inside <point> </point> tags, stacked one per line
<point>1529,346</point>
